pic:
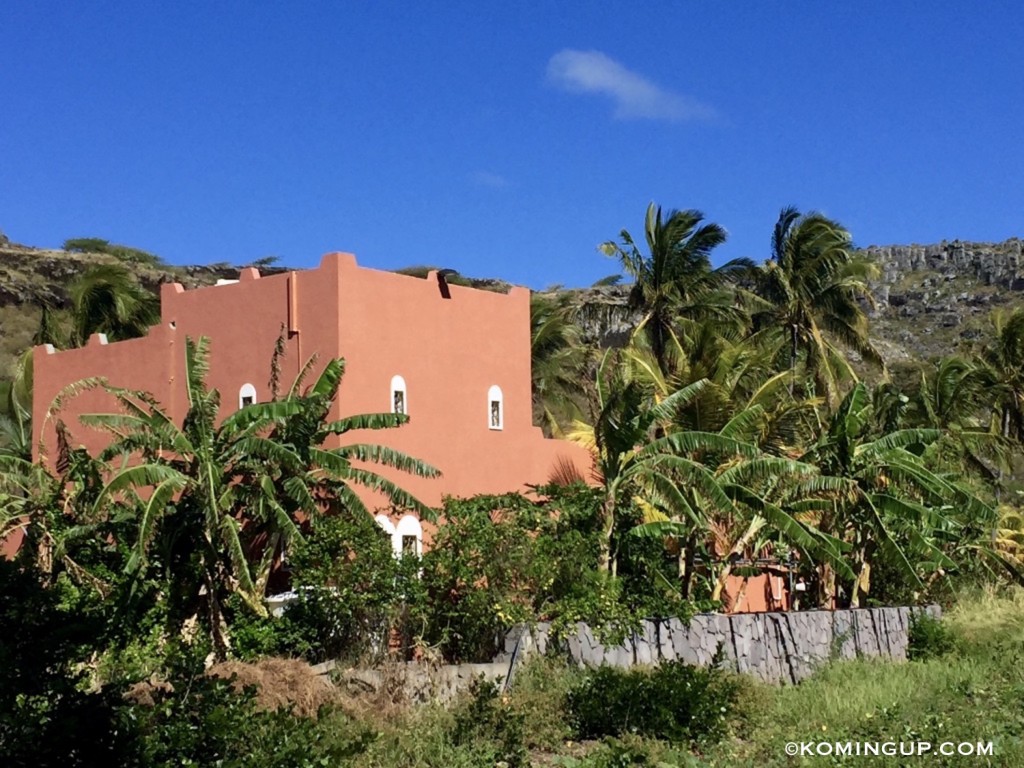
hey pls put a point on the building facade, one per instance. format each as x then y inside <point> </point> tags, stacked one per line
<point>455,359</point>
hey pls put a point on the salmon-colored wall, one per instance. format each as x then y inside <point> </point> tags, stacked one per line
<point>152,364</point>
<point>756,594</point>
<point>449,351</point>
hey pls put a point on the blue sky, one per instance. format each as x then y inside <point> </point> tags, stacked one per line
<point>503,139</point>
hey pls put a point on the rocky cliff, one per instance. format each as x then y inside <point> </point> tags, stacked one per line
<point>935,299</point>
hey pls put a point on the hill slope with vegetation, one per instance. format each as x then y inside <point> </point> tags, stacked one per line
<point>930,300</point>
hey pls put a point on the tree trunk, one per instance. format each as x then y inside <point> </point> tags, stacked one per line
<point>215,616</point>
<point>604,559</point>
<point>688,554</point>
<point>826,586</point>
<point>721,581</point>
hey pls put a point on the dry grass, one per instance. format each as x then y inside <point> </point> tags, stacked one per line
<point>281,684</point>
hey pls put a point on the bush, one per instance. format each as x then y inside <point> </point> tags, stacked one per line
<point>673,701</point>
<point>488,719</point>
<point>929,638</point>
<point>348,586</point>
<point>122,253</point>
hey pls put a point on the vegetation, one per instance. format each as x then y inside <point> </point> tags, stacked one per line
<point>673,702</point>
<point>733,429</point>
<point>123,253</point>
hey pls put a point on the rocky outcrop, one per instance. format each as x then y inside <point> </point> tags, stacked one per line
<point>989,264</point>
<point>928,299</point>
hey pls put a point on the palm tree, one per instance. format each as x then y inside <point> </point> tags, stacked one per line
<point>107,299</point>
<point>811,290</point>
<point>46,506</point>
<point>1002,361</point>
<point>742,399</point>
<point>16,410</point>
<point>636,460</point>
<point>675,278</point>
<point>216,505</point>
<point>557,358</point>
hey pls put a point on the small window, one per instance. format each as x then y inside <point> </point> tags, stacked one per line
<point>246,395</point>
<point>495,408</point>
<point>408,537</point>
<point>399,398</point>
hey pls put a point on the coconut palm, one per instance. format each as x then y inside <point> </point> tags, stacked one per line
<point>636,460</point>
<point>810,295</point>
<point>1002,361</point>
<point>675,278</point>
<point>107,299</point>
<point>216,504</point>
<point>16,410</point>
<point>557,359</point>
<point>740,376</point>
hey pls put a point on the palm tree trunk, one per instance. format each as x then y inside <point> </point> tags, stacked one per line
<point>604,557</point>
<point>826,586</point>
<point>215,616</point>
<point>688,555</point>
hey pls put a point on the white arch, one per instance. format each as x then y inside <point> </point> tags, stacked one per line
<point>495,408</point>
<point>399,395</point>
<point>385,522</point>
<point>247,391</point>
<point>409,525</point>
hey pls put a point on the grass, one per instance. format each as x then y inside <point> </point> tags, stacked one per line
<point>973,693</point>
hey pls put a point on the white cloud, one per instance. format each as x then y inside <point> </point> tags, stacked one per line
<point>488,179</point>
<point>635,97</point>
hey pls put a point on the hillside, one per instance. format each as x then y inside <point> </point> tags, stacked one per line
<point>31,277</point>
<point>930,299</point>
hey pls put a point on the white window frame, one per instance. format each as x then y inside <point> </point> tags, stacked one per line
<point>494,395</point>
<point>409,525</point>
<point>398,385</point>
<point>247,390</point>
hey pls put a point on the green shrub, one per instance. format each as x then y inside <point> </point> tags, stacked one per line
<point>122,253</point>
<point>488,719</point>
<point>673,701</point>
<point>929,638</point>
<point>539,692</point>
<point>348,584</point>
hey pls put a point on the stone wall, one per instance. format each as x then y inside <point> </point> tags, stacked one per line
<point>415,681</point>
<point>773,647</point>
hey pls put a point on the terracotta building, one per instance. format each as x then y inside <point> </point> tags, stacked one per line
<point>455,359</point>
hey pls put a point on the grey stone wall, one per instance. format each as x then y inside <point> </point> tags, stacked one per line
<point>416,682</point>
<point>773,647</point>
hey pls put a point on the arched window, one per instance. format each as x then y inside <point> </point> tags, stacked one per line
<point>399,396</point>
<point>246,395</point>
<point>387,528</point>
<point>495,408</point>
<point>408,537</point>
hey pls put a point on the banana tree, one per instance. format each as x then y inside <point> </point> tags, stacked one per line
<point>632,462</point>
<point>217,503</point>
<point>894,504</point>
